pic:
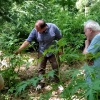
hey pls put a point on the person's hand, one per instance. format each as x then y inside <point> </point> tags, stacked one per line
<point>17,52</point>
<point>60,53</point>
<point>87,42</point>
<point>90,62</point>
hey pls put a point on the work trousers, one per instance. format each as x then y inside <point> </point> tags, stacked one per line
<point>54,61</point>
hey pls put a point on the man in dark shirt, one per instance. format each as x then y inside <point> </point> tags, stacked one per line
<point>45,34</point>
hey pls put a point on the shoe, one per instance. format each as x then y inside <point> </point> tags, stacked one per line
<point>40,86</point>
<point>61,88</point>
<point>54,80</point>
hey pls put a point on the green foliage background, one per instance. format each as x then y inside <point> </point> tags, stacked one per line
<point>17,19</point>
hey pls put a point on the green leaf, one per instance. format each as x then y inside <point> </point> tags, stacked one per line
<point>51,73</point>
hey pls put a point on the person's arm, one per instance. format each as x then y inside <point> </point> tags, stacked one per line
<point>88,56</point>
<point>58,37</point>
<point>24,45</point>
<point>58,34</point>
<point>87,42</point>
<point>27,42</point>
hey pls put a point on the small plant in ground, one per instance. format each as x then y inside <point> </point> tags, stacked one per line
<point>33,81</point>
<point>80,88</point>
<point>10,73</point>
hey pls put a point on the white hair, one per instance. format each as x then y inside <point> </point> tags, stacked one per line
<point>92,24</point>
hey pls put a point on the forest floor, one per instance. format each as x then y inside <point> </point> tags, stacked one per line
<point>30,92</point>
